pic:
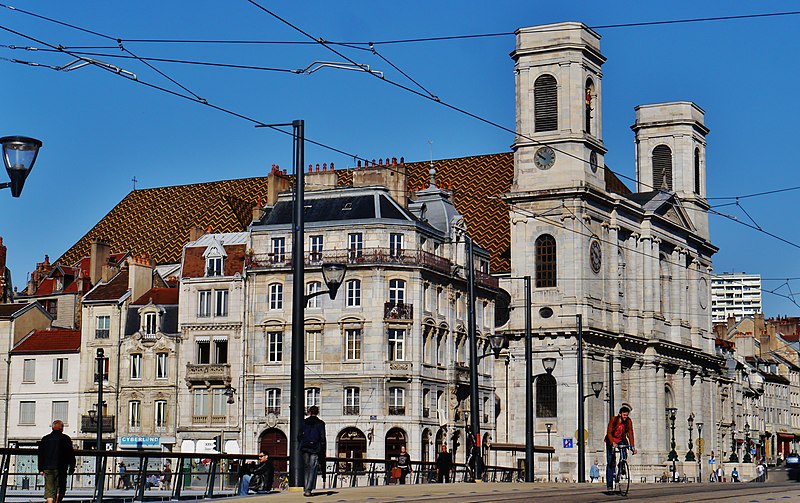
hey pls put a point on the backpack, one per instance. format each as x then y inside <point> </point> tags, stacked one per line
<point>311,438</point>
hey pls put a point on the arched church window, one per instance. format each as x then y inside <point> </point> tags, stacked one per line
<point>545,102</point>
<point>545,261</point>
<point>662,168</point>
<point>588,106</point>
<point>546,396</point>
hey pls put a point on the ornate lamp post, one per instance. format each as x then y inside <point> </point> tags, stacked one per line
<point>19,155</point>
<point>746,458</point>
<point>673,454</point>
<point>733,458</point>
<point>549,427</point>
<point>690,452</point>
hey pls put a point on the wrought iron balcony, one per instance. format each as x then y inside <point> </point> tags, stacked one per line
<point>398,311</point>
<point>213,372</point>
<point>89,424</point>
<point>351,410</point>
<point>397,410</point>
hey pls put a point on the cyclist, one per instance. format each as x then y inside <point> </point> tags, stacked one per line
<point>619,431</point>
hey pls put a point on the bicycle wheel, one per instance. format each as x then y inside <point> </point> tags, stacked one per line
<point>623,478</point>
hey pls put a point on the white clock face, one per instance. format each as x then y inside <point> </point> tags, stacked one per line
<point>593,161</point>
<point>544,158</point>
<point>595,256</point>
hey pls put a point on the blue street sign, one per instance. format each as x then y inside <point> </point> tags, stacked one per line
<point>567,443</point>
<point>712,461</point>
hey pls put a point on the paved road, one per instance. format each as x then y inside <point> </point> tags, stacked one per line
<point>773,491</point>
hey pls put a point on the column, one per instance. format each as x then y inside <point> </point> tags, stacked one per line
<point>646,275</point>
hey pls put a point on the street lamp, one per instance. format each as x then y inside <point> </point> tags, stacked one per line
<point>549,427</point>
<point>229,392</point>
<point>673,454</point>
<point>700,443</point>
<point>733,458</point>
<point>19,155</point>
<point>747,458</point>
<point>690,452</point>
<point>100,462</point>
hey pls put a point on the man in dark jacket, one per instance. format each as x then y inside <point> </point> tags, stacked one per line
<point>263,475</point>
<point>312,445</point>
<point>444,463</point>
<point>56,460</point>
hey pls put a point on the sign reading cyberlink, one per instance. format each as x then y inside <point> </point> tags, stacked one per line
<point>140,442</point>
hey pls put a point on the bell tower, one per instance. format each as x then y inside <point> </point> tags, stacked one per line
<point>559,139</point>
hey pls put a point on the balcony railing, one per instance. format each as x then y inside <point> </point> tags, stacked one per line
<point>397,410</point>
<point>363,256</point>
<point>89,424</point>
<point>271,409</point>
<point>398,311</point>
<point>487,280</point>
<point>213,372</point>
<point>351,410</point>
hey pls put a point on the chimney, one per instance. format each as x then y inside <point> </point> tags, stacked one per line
<point>392,176</point>
<point>277,182</point>
<point>140,276</point>
<point>258,211</point>
<point>195,233</point>
<point>98,257</point>
<point>320,180</point>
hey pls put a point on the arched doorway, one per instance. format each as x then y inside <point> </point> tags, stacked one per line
<point>273,441</point>
<point>425,450</point>
<point>351,443</point>
<point>395,439</point>
<point>441,438</point>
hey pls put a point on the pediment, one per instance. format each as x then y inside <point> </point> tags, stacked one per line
<point>669,207</point>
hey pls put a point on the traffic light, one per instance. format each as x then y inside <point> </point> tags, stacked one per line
<point>218,443</point>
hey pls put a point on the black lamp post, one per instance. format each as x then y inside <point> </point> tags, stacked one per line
<point>734,458</point>
<point>690,452</point>
<point>581,409</point>
<point>549,427</point>
<point>19,155</point>
<point>100,462</point>
<point>673,454</point>
<point>746,458</point>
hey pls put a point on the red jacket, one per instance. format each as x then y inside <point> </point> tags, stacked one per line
<point>627,433</point>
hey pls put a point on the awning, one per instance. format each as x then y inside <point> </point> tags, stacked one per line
<point>498,446</point>
<point>202,338</point>
<point>785,437</point>
<point>220,338</point>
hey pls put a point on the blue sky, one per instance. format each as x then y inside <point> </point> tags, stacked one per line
<point>100,130</point>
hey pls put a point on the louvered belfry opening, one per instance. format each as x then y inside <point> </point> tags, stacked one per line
<point>545,92</point>
<point>662,168</point>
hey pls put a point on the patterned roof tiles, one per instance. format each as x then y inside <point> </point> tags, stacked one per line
<point>50,341</point>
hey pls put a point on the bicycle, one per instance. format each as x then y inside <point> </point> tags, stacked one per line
<point>622,478</point>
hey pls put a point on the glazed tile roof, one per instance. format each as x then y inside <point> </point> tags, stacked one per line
<point>156,222</point>
<point>50,341</point>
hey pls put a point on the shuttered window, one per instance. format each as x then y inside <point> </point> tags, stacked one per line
<point>545,102</point>
<point>662,168</point>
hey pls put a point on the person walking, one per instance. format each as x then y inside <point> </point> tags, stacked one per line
<point>312,446</point>
<point>735,474</point>
<point>594,473</point>
<point>56,461</point>
<point>124,479</point>
<point>167,478</point>
<point>444,463</point>
<point>619,431</point>
<point>404,464</point>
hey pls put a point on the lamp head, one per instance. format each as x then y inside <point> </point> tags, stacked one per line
<point>19,155</point>
<point>597,387</point>
<point>333,274</point>
<point>92,414</point>
<point>549,426</point>
<point>671,412</point>
<point>549,364</point>
<point>498,343</point>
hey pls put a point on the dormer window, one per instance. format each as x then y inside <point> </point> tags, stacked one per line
<point>59,283</point>
<point>214,266</point>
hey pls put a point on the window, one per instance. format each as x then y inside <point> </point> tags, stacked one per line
<point>397,401</point>
<point>312,397</point>
<point>203,352</point>
<point>697,171</point>
<point>60,411</point>
<point>313,345</point>
<point>397,291</point>
<point>352,402</point>
<point>274,401</point>
<point>51,306</point>
<point>275,346</point>
<point>397,344</point>
<point>150,320</point>
<point>355,246</point>
<point>136,366</point>
<point>60,370</point>
<point>219,402</point>
<point>161,414</point>
<point>204,304</point>
<point>106,366</point>
<point>102,326</point>
<point>29,370</point>
<point>201,402</point>
<point>221,350</point>
<point>278,250</point>
<point>587,102</point>
<point>27,413</point>
<point>426,398</point>
<point>134,417</point>
<point>276,296</point>
<point>354,293</point>
<point>545,104</point>
<point>162,365</point>
<point>662,168</point>
<point>546,396</point>
<point>545,261</point>
<point>352,350</point>
<point>312,288</point>
<point>220,303</point>
<point>315,248</point>
<point>214,266</point>
<point>395,244</point>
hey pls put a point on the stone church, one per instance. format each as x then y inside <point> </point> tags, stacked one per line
<point>627,271</point>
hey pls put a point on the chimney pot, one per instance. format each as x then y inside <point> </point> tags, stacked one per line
<point>325,166</point>
<point>317,167</point>
<point>402,160</point>
<point>358,165</point>
<point>331,166</point>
